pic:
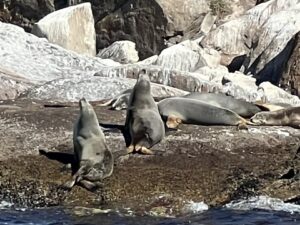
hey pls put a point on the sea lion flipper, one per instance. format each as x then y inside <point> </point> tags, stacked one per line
<point>173,121</point>
<point>69,184</point>
<point>146,151</point>
<point>130,149</point>
<point>242,126</point>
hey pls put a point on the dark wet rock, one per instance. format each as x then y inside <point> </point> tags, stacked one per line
<point>198,163</point>
<point>25,12</point>
<point>291,77</point>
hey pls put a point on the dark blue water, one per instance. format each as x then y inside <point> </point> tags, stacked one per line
<point>212,217</point>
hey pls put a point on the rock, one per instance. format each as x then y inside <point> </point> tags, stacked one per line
<point>12,85</point>
<point>269,58</point>
<point>274,94</point>
<point>214,165</point>
<point>72,28</point>
<point>37,61</point>
<point>25,12</point>
<point>174,78</point>
<point>181,14</point>
<point>120,51</point>
<point>236,37</point>
<point>183,56</point>
<point>291,77</point>
<point>142,22</point>
<point>149,61</point>
<point>93,89</point>
<point>188,56</point>
<point>241,87</point>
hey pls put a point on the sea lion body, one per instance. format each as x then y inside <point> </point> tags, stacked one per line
<point>239,106</point>
<point>143,122</point>
<point>92,156</point>
<point>178,110</point>
<point>283,117</point>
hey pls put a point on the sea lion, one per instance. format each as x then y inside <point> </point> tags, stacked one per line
<point>179,110</point>
<point>144,126</point>
<point>283,117</point>
<point>92,156</point>
<point>239,106</point>
<point>119,102</point>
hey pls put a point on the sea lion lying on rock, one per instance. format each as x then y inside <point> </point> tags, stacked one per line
<point>119,102</point>
<point>92,156</point>
<point>283,117</point>
<point>179,110</point>
<point>239,106</point>
<point>143,125</point>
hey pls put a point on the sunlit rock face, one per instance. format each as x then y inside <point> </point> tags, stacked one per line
<point>71,28</point>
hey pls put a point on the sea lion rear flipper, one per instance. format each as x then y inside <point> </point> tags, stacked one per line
<point>91,186</point>
<point>146,151</point>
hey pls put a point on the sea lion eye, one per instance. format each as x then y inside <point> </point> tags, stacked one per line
<point>97,153</point>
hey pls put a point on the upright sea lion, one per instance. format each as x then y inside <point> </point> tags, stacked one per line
<point>239,106</point>
<point>179,110</point>
<point>92,156</point>
<point>283,117</point>
<point>143,125</point>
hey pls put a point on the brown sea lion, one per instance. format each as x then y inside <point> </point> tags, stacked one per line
<point>92,156</point>
<point>283,117</point>
<point>179,110</point>
<point>143,125</point>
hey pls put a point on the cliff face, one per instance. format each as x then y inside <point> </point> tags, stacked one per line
<point>197,163</point>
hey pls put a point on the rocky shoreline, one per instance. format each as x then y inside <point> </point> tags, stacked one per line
<point>213,164</point>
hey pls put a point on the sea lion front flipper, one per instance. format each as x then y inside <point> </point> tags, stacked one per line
<point>173,121</point>
<point>242,126</point>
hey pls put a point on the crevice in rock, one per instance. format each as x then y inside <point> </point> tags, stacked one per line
<point>273,70</point>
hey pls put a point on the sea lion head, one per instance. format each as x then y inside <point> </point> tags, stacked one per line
<point>143,81</point>
<point>259,118</point>
<point>85,106</point>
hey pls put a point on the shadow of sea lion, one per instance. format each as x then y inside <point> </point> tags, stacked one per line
<point>62,157</point>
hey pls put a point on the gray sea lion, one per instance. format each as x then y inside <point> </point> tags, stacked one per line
<point>92,156</point>
<point>119,102</point>
<point>239,106</point>
<point>179,110</point>
<point>283,117</point>
<point>143,125</point>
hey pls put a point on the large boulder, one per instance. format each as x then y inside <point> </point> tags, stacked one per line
<point>71,27</point>
<point>237,37</point>
<point>93,89</point>
<point>274,94</point>
<point>180,14</point>
<point>120,51</point>
<point>33,60</point>
<point>291,77</point>
<point>188,56</point>
<point>276,41</point>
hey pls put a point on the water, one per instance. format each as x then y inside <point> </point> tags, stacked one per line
<point>57,216</point>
